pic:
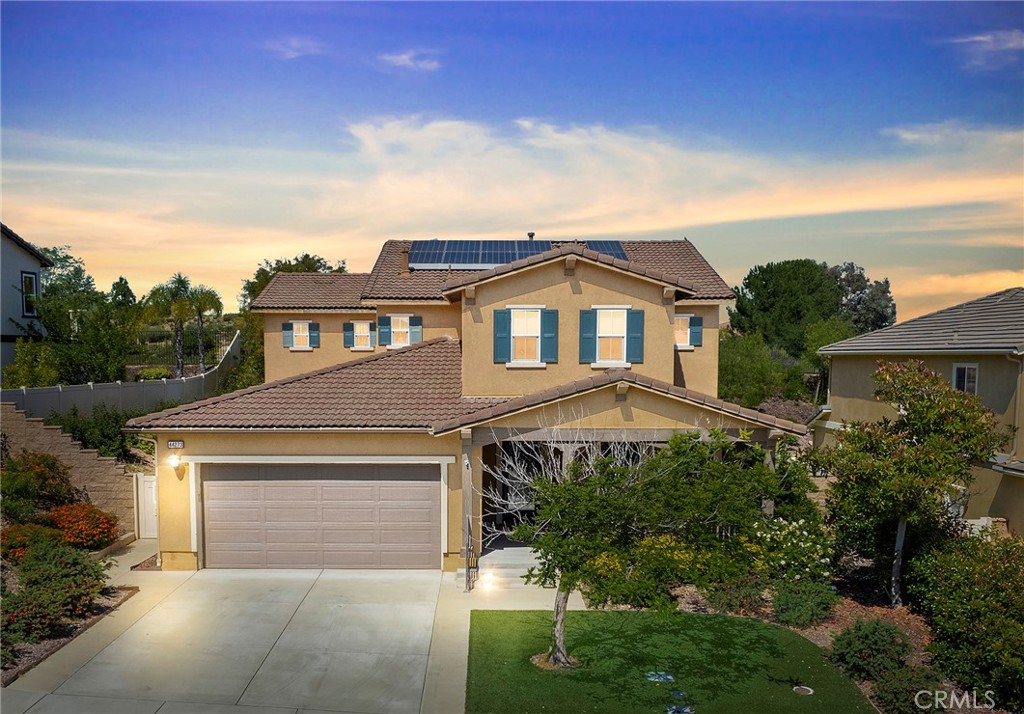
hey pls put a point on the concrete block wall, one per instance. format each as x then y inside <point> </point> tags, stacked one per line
<point>102,477</point>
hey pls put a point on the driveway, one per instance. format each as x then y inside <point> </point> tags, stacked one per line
<point>331,640</point>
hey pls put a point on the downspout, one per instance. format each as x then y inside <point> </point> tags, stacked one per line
<point>1018,420</point>
<point>156,475</point>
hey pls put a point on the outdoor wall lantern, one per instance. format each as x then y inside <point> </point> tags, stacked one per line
<point>174,460</point>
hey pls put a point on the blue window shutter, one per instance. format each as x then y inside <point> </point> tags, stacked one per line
<point>349,334</point>
<point>696,331</point>
<point>635,336</point>
<point>314,334</point>
<point>286,334</point>
<point>415,329</point>
<point>384,330</point>
<point>588,336</point>
<point>373,334</point>
<point>549,336</point>
<point>502,336</point>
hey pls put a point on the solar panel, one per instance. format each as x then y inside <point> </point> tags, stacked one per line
<point>612,248</point>
<point>471,254</point>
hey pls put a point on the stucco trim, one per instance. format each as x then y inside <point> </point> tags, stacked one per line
<point>313,459</point>
<point>910,353</point>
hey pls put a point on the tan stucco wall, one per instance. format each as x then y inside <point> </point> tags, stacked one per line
<point>851,389</point>
<point>174,499</point>
<point>998,495</point>
<point>281,362</point>
<point>697,369</point>
<point>591,285</point>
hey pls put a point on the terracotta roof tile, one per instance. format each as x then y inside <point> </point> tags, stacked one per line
<point>408,388</point>
<point>387,281</point>
<point>680,257</point>
<point>313,291</point>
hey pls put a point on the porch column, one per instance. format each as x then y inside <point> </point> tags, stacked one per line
<point>467,490</point>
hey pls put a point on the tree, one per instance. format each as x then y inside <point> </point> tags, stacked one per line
<point>898,472</point>
<point>819,334</point>
<point>866,305</point>
<point>35,365</point>
<point>67,276</point>
<point>204,299</point>
<point>747,372</point>
<point>172,300</point>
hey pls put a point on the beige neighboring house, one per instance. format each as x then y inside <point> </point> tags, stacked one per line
<point>21,271</point>
<point>388,392</point>
<point>979,347</point>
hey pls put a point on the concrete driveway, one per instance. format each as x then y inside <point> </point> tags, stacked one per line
<point>331,640</point>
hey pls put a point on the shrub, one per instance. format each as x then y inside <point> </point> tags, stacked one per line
<point>739,595</point>
<point>803,603</point>
<point>895,690</point>
<point>30,615</point>
<point>972,592</point>
<point>147,373</point>
<point>59,573</point>
<point>34,482</point>
<point>84,525</point>
<point>790,551</point>
<point>15,540</point>
<point>867,649</point>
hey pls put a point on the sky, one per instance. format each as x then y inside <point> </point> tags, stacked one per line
<point>159,137</point>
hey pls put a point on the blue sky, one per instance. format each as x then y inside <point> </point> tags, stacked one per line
<point>203,137</point>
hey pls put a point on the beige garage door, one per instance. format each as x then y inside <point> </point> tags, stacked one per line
<point>321,516</point>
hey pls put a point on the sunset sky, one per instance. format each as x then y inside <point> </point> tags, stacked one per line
<point>204,137</point>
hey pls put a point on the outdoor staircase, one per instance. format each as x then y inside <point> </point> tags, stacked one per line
<point>501,567</point>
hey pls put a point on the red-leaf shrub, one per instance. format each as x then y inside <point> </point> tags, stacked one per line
<point>84,525</point>
<point>15,540</point>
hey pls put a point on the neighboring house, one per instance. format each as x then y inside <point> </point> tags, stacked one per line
<point>387,392</point>
<point>979,347</point>
<point>21,265</point>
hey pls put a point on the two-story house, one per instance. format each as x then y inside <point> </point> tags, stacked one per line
<point>21,264</point>
<point>979,347</point>
<point>388,392</point>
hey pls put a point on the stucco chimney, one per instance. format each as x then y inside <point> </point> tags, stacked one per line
<point>405,261</point>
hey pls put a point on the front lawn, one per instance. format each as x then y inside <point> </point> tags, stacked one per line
<point>724,664</point>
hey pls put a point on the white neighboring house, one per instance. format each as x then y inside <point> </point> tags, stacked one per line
<point>21,273</point>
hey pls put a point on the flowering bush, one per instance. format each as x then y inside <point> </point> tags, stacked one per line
<point>790,551</point>
<point>84,525</point>
<point>15,540</point>
<point>32,482</point>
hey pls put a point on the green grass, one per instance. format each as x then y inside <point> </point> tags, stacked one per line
<point>725,664</point>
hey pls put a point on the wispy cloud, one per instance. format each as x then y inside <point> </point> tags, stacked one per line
<point>415,60</point>
<point>991,50</point>
<point>292,47</point>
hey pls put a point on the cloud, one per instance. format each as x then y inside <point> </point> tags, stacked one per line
<point>990,50</point>
<point>415,60</point>
<point>292,47</point>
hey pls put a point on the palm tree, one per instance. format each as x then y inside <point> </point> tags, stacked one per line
<point>172,300</point>
<point>204,299</point>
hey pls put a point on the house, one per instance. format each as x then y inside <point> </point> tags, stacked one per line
<point>979,347</point>
<point>21,264</point>
<point>387,392</point>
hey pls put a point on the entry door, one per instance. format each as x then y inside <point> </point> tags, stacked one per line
<point>147,506</point>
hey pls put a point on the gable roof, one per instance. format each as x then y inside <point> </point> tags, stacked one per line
<point>410,388</point>
<point>313,291</point>
<point>608,378</point>
<point>677,261</point>
<point>563,250</point>
<point>44,262</point>
<point>991,324</point>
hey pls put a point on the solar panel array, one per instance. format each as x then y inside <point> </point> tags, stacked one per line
<point>471,254</point>
<point>612,248</point>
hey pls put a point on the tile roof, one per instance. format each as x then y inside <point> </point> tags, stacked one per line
<point>994,323</point>
<point>570,249</point>
<point>313,291</point>
<point>25,245</point>
<point>410,388</point>
<point>613,376</point>
<point>675,260</point>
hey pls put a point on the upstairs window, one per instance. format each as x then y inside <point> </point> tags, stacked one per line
<point>525,336</point>
<point>965,378</point>
<point>359,336</point>
<point>400,330</point>
<point>689,331</point>
<point>611,336</point>
<point>300,335</point>
<point>29,294</point>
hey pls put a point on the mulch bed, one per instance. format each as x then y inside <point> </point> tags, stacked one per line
<point>31,655</point>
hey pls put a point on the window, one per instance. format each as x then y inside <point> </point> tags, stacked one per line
<point>29,294</point>
<point>965,378</point>
<point>300,336</point>
<point>611,335</point>
<point>689,331</point>
<point>526,335</point>
<point>400,331</point>
<point>361,336</point>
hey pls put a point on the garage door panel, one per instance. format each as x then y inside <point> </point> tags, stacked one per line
<point>328,515</point>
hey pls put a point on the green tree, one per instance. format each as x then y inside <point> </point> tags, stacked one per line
<point>866,305</point>
<point>35,365</point>
<point>819,334</point>
<point>748,373</point>
<point>67,276</point>
<point>204,300</point>
<point>172,301</point>
<point>898,471</point>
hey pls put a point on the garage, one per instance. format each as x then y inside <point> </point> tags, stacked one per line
<point>321,515</point>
